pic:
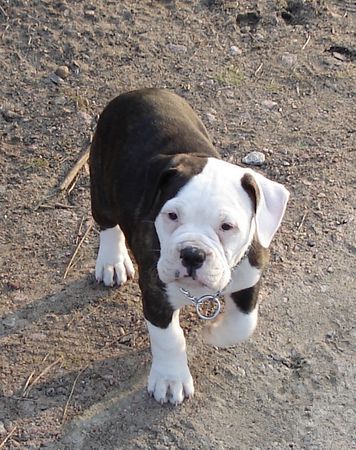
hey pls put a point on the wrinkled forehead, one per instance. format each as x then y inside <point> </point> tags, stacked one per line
<point>214,192</point>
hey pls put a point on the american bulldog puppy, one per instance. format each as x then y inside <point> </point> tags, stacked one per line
<point>190,219</point>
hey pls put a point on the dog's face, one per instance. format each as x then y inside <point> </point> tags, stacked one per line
<point>206,228</point>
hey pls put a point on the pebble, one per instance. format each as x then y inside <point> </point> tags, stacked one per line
<point>62,72</point>
<point>85,117</point>
<point>288,60</point>
<point>9,115</point>
<point>235,51</point>
<point>177,48</point>
<point>60,101</point>
<point>269,104</point>
<point>330,269</point>
<point>9,321</point>
<point>89,13</point>
<point>2,189</point>
<point>254,159</point>
<point>2,428</point>
<point>210,117</point>
<point>55,78</point>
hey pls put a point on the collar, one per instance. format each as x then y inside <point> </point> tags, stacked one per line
<point>213,299</point>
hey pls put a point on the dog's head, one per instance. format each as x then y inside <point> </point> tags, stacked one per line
<point>205,229</point>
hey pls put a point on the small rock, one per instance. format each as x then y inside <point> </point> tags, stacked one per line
<point>288,60</point>
<point>235,51</point>
<point>10,321</point>
<point>211,118</point>
<point>241,372</point>
<point>269,104</point>
<point>330,269</point>
<point>177,48</point>
<point>2,428</point>
<point>85,117</point>
<point>55,79</point>
<point>2,189</point>
<point>254,159</point>
<point>62,72</point>
<point>89,13</point>
<point>285,163</point>
<point>60,101</point>
<point>9,115</point>
<point>311,243</point>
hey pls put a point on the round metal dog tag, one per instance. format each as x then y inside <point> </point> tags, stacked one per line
<point>214,300</point>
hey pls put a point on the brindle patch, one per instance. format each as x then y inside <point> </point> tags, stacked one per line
<point>249,184</point>
<point>246,299</point>
<point>258,256</point>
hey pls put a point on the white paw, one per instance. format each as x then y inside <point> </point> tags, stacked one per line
<point>173,388</point>
<point>114,271</point>
<point>113,265</point>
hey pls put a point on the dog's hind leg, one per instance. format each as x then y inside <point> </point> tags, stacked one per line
<point>113,264</point>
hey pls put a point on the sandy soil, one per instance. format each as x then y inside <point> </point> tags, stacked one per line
<point>276,76</point>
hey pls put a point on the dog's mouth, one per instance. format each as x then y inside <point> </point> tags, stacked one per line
<point>189,279</point>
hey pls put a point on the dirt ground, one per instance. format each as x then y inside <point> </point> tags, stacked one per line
<point>274,76</point>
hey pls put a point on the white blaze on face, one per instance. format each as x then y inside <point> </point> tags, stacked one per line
<point>212,213</point>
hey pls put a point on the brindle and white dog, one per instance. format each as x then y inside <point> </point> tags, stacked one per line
<point>191,220</point>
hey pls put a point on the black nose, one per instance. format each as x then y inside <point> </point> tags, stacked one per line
<point>192,258</point>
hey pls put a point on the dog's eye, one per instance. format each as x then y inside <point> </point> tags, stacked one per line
<point>173,216</point>
<point>226,226</point>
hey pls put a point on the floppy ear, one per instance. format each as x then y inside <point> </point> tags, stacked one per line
<point>270,200</point>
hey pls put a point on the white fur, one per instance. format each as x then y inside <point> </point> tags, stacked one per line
<point>113,264</point>
<point>170,378</point>
<point>211,198</point>
<point>232,327</point>
<point>208,200</point>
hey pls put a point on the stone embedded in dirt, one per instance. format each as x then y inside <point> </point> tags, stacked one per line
<point>55,79</point>
<point>210,117</point>
<point>177,48</point>
<point>254,159</point>
<point>2,428</point>
<point>60,101</point>
<point>62,72</point>
<point>288,60</point>
<point>89,13</point>
<point>85,117</point>
<point>9,115</point>
<point>235,51</point>
<point>270,104</point>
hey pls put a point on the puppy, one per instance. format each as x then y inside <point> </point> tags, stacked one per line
<point>191,220</point>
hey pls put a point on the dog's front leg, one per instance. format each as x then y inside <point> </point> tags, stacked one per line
<point>170,378</point>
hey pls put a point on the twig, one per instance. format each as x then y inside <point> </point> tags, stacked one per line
<point>7,16</point>
<point>79,230</point>
<point>306,42</point>
<point>302,221</point>
<point>90,226</point>
<point>41,204</point>
<point>2,444</point>
<point>72,174</point>
<point>44,371</point>
<point>28,382</point>
<point>71,394</point>
<point>258,69</point>
<point>32,374</point>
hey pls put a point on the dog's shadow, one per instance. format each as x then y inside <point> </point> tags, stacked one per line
<point>106,396</point>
